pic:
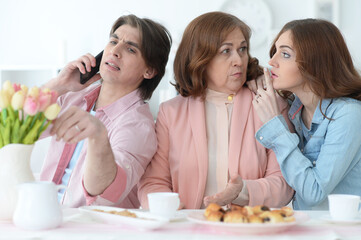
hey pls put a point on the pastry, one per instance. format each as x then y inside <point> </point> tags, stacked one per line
<point>288,211</point>
<point>255,219</point>
<point>125,213</point>
<point>212,207</point>
<point>260,209</point>
<point>247,214</point>
<point>271,217</point>
<point>215,216</point>
<point>235,217</point>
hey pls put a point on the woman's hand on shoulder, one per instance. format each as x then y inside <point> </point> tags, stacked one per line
<point>255,83</point>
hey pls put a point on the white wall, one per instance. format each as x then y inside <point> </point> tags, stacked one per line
<point>53,32</point>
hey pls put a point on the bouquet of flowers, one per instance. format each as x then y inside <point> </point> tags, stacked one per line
<point>25,113</point>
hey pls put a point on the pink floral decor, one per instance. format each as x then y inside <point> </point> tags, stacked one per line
<point>25,113</point>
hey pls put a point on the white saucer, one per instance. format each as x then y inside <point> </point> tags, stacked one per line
<point>179,215</point>
<point>328,218</point>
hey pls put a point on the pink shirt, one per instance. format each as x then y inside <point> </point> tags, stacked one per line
<point>133,140</point>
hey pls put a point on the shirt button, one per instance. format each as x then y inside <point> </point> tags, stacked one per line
<point>260,138</point>
<point>127,166</point>
<point>301,149</point>
<point>314,163</point>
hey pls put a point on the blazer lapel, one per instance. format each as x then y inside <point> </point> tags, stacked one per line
<point>197,121</point>
<point>240,114</point>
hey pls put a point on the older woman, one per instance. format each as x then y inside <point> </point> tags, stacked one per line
<point>207,151</point>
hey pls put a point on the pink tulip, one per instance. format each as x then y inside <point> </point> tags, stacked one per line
<point>54,97</point>
<point>44,99</point>
<point>31,106</point>
<point>17,87</point>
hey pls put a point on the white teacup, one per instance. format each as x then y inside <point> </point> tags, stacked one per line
<point>164,204</point>
<point>343,206</point>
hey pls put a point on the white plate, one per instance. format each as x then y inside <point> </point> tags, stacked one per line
<point>143,221</point>
<point>248,228</point>
<point>328,218</point>
<point>179,216</point>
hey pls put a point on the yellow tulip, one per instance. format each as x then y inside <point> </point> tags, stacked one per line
<point>25,89</point>
<point>4,99</point>
<point>45,90</point>
<point>8,87</point>
<point>34,92</point>
<point>52,111</point>
<point>17,101</point>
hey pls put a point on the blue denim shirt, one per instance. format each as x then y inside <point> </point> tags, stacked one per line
<point>322,160</point>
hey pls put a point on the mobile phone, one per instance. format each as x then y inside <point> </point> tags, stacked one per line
<point>94,70</point>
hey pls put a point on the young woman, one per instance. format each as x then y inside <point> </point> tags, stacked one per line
<point>312,66</point>
<point>206,146</point>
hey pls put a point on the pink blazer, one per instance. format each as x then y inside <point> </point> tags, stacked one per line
<point>181,161</point>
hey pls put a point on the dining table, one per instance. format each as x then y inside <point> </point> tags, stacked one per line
<point>79,224</point>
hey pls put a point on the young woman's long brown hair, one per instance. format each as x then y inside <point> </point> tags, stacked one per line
<point>323,59</point>
<point>201,40</point>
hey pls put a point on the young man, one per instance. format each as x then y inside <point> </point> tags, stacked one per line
<point>104,136</point>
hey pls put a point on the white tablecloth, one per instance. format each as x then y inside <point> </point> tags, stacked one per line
<point>78,225</point>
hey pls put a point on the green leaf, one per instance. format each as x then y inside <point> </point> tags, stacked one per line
<point>11,113</point>
<point>15,137</point>
<point>34,119</point>
<point>2,132</point>
<point>1,141</point>
<point>43,128</point>
<point>24,127</point>
<point>4,115</point>
<point>31,136</point>
<point>7,131</point>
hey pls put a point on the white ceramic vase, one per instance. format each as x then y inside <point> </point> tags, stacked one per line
<point>14,169</point>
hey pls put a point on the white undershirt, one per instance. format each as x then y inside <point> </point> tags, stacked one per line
<point>218,109</point>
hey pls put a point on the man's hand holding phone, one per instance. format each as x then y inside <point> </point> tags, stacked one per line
<point>91,71</point>
<point>69,77</point>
